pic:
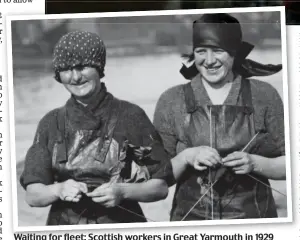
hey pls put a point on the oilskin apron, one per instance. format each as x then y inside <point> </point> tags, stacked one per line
<point>93,157</point>
<point>227,128</point>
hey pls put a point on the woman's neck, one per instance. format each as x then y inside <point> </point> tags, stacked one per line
<point>218,93</point>
<point>226,81</point>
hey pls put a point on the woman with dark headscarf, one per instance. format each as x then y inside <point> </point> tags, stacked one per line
<point>93,158</point>
<point>227,128</point>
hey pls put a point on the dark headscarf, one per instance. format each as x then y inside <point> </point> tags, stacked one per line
<point>79,48</point>
<point>224,31</point>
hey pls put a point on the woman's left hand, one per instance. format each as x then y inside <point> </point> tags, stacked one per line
<point>108,194</point>
<point>240,162</point>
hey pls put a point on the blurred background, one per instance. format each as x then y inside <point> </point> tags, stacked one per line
<point>71,6</point>
<point>143,60</point>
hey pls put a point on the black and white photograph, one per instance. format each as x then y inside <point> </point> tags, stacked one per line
<point>154,118</point>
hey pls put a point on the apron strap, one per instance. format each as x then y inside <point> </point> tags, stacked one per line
<point>106,135</point>
<point>246,93</point>
<point>190,103</point>
<point>62,135</point>
<point>189,96</point>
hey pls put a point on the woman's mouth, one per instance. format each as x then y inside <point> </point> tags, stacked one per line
<point>80,84</point>
<point>213,69</point>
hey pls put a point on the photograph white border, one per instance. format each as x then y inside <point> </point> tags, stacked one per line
<point>17,228</point>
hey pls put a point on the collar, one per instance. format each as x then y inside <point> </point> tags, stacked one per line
<point>202,98</point>
<point>90,116</point>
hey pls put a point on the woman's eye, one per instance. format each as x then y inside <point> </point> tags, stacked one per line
<point>200,51</point>
<point>67,71</point>
<point>79,68</point>
<point>219,51</point>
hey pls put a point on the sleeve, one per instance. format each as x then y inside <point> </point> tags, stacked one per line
<point>274,120</point>
<point>38,164</point>
<point>164,125</point>
<point>163,122</point>
<point>155,158</point>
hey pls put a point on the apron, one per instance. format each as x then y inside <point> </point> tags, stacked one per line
<point>93,157</point>
<point>227,128</point>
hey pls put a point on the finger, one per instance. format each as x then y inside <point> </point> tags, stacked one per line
<point>233,156</point>
<point>206,159</point>
<point>241,171</point>
<point>79,196</point>
<point>76,191</point>
<point>69,199</point>
<point>96,193</point>
<point>71,192</point>
<point>75,199</point>
<point>234,163</point>
<point>214,151</point>
<point>73,184</point>
<point>200,167</point>
<point>218,159</point>
<point>215,159</point>
<point>99,191</point>
<point>109,204</point>
<point>74,195</point>
<point>83,187</point>
<point>238,168</point>
<point>101,199</point>
<point>205,162</point>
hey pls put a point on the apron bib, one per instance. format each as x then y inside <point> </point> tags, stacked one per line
<point>93,157</point>
<point>227,128</point>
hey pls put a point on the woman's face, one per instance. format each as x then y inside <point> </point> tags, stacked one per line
<point>80,81</point>
<point>214,64</point>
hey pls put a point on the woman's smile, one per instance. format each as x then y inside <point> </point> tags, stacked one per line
<point>214,64</point>
<point>212,69</point>
<point>81,84</point>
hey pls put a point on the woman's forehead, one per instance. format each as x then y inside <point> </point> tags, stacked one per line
<point>79,68</point>
<point>206,47</point>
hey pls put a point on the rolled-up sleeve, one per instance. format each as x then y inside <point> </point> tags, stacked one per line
<point>38,164</point>
<point>274,120</point>
<point>164,124</point>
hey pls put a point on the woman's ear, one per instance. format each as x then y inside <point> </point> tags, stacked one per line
<point>100,72</point>
<point>57,77</point>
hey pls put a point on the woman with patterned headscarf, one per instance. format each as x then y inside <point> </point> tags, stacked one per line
<point>93,158</point>
<point>228,128</point>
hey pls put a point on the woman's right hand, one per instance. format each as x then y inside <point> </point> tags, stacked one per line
<point>202,157</point>
<point>71,190</point>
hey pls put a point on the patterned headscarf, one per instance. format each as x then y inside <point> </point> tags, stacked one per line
<point>79,48</point>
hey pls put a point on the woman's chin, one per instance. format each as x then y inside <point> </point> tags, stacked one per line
<point>84,94</point>
<point>82,91</point>
<point>214,80</point>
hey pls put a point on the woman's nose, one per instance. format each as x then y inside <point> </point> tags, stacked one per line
<point>76,75</point>
<point>210,58</point>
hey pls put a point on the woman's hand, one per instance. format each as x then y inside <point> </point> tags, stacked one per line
<point>71,190</point>
<point>108,194</point>
<point>202,157</point>
<point>240,162</point>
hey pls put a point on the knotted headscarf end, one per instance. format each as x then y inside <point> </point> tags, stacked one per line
<point>224,31</point>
